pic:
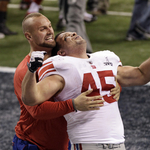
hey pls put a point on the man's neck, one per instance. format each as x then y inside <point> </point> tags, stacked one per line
<point>80,52</point>
<point>83,56</point>
<point>47,55</point>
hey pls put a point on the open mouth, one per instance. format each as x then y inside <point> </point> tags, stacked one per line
<point>50,38</point>
<point>77,37</point>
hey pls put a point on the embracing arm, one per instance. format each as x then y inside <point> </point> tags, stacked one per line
<point>132,76</point>
<point>34,93</point>
<point>50,109</point>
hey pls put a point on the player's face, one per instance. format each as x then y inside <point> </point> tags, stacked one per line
<point>70,40</point>
<point>43,33</point>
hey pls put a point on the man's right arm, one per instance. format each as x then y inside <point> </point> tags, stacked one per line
<point>132,76</point>
<point>34,93</point>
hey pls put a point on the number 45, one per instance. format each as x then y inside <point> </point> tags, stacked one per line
<point>88,80</point>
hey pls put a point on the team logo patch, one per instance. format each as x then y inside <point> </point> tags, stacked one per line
<point>108,63</point>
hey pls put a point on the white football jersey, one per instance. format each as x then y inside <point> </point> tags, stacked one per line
<point>97,72</point>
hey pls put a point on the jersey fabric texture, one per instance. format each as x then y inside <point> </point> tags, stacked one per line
<point>44,124</point>
<point>97,72</point>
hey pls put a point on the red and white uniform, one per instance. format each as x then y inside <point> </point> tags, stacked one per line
<point>97,72</point>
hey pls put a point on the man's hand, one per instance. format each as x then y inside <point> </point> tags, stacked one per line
<point>116,91</point>
<point>36,60</point>
<point>84,102</point>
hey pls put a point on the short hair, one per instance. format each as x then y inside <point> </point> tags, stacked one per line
<point>31,15</point>
<point>57,46</point>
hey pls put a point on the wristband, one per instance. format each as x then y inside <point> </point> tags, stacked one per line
<point>74,105</point>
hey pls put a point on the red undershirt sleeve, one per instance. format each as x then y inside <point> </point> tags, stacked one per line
<point>50,109</point>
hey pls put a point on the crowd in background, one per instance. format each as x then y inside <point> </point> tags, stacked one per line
<point>86,11</point>
<point>65,19</point>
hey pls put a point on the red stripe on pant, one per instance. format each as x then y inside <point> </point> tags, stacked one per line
<point>79,145</point>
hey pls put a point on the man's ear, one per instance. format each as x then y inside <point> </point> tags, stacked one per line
<point>27,35</point>
<point>61,53</point>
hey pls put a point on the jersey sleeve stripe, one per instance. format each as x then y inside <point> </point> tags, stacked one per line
<point>45,69</point>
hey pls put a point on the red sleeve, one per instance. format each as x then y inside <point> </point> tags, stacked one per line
<point>50,110</point>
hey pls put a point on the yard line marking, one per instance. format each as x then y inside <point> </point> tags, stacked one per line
<point>47,8</point>
<point>50,8</point>
<point>13,6</point>
<point>7,69</point>
<point>44,7</point>
<point>119,13</point>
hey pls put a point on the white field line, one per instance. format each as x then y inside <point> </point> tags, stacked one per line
<point>57,9</point>
<point>7,69</point>
<point>17,6</point>
<point>115,13</point>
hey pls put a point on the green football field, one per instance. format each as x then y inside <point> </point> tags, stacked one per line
<point>108,32</point>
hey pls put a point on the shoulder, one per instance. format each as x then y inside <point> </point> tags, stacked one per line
<point>104,52</point>
<point>54,65</point>
<point>59,62</point>
<point>53,58</point>
<point>106,56</point>
<point>49,63</point>
<point>22,67</point>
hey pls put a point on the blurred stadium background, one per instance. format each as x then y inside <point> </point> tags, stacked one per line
<point>108,32</point>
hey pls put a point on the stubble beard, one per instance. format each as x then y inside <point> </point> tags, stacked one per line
<point>48,45</point>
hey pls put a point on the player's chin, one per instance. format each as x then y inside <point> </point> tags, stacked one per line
<point>53,44</point>
<point>82,41</point>
<point>50,44</point>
